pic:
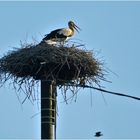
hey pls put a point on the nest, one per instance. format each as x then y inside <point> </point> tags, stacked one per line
<point>70,66</point>
<point>51,63</point>
<point>64,64</point>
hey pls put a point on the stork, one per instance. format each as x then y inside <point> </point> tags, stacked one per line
<point>61,35</point>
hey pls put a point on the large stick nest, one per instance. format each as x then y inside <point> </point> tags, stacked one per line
<point>42,61</point>
<point>70,66</point>
<point>67,65</point>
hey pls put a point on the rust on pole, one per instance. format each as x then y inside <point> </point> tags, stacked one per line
<point>48,109</point>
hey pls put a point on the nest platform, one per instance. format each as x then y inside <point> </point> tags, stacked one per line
<point>59,63</point>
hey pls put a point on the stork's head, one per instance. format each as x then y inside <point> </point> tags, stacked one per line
<point>72,25</point>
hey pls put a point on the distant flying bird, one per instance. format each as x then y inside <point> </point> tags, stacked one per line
<point>61,35</point>
<point>98,134</point>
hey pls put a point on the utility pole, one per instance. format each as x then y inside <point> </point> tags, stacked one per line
<point>48,109</point>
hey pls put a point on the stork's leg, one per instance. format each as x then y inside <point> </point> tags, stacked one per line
<point>62,43</point>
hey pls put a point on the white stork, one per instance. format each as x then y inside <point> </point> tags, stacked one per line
<point>60,35</point>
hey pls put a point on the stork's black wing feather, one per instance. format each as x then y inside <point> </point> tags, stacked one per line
<point>54,34</point>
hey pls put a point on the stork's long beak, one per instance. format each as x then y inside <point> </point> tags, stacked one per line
<point>77,28</point>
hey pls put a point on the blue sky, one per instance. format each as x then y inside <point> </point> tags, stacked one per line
<point>111,28</point>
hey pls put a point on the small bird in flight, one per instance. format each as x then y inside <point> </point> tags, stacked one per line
<point>61,35</point>
<point>98,134</point>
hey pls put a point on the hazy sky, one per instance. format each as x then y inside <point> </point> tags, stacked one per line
<point>110,28</point>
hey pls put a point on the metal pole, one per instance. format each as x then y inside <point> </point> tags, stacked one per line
<point>47,109</point>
